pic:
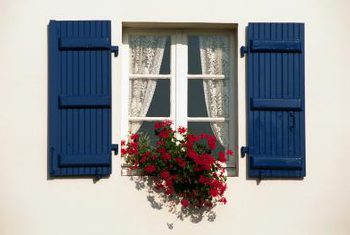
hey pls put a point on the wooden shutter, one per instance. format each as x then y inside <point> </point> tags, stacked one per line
<point>80,98</point>
<point>276,110</point>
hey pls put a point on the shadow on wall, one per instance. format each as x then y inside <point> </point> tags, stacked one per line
<point>159,201</point>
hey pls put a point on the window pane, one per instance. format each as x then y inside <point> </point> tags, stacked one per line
<point>165,66</point>
<point>149,54</point>
<point>196,100</point>
<point>194,62</point>
<point>160,105</point>
<point>150,98</point>
<point>204,127</point>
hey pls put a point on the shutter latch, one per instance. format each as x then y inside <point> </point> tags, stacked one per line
<point>244,151</point>
<point>115,149</point>
<point>115,50</point>
<point>244,50</point>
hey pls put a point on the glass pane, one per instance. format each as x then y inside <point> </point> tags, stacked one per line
<point>149,97</point>
<point>147,128</point>
<point>204,127</point>
<point>196,100</point>
<point>149,54</point>
<point>194,61</point>
<point>160,105</point>
<point>165,66</point>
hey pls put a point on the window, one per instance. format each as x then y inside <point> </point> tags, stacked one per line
<point>187,76</point>
<point>187,73</point>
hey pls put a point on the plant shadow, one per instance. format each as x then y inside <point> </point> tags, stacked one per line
<point>159,201</point>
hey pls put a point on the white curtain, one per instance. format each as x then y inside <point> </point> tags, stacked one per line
<point>146,54</point>
<point>214,53</point>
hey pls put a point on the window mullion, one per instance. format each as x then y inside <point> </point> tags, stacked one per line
<point>173,73</point>
<point>124,86</point>
<point>181,79</point>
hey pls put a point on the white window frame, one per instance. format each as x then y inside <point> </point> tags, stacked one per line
<point>178,76</point>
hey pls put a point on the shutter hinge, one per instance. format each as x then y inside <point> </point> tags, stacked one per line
<point>115,149</point>
<point>115,50</point>
<point>244,50</point>
<point>244,151</point>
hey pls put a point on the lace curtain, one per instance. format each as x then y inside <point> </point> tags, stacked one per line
<point>146,54</point>
<point>214,53</point>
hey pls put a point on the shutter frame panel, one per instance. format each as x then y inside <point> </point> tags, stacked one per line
<point>276,107</point>
<point>80,98</point>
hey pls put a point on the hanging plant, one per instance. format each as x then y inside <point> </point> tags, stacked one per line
<point>180,165</point>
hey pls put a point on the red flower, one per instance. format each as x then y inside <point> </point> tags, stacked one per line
<point>164,134</point>
<point>185,202</point>
<point>166,156</point>
<point>166,123</point>
<point>122,143</point>
<point>192,154</point>
<point>223,200</point>
<point>204,180</point>
<point>213,192</point>
<point>222,157</point>
<point>149,169</point>
<point>206,161</point>
<point>133,148</point>
<point>181,162</point>
<point>124,151</point>
<point>199,180</point>
<point>135,137</point>
<point>182,130</point>
<point>211,140</point>
<point>165,174</point>
<point>169,182</point>
<point>169,191</point>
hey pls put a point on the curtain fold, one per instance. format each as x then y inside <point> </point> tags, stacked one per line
<point>146,54</point>
<point>214,53</point>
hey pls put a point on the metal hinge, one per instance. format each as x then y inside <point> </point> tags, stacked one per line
<point>244,151</point>
<point>244,50</point>
<point>114,148</point>
<point>115,50</point>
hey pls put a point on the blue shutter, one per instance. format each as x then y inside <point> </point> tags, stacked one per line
<point>80,98</point>
<point>276,110</point>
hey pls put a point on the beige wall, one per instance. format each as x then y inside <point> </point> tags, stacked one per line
<point>31,204</point>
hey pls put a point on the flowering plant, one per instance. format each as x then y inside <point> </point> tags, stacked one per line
<point>180,165</point>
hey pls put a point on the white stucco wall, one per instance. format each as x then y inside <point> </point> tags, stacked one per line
<point>32,205</point>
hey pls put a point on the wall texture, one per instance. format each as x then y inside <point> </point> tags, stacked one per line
<point>31,204</point>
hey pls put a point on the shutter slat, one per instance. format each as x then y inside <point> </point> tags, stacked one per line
<point>84,160</point>
<point>84,101</point>
<point>275,46</point>
<point>276,162</point>
<point>80,98</point>
<point>84,43</point>
<point>276,129</point>
<point>276,104</point>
